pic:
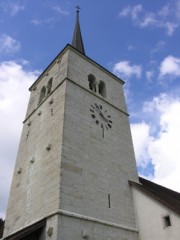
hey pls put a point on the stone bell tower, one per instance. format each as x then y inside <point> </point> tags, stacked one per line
<point>75,156</point>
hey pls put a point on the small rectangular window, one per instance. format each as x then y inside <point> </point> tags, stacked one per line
<point>167,221</point>
<point>109,200</point>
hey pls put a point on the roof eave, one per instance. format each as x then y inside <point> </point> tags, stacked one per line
<point>140,187</point>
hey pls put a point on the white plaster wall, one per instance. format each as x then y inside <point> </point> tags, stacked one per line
<point>149,214</point>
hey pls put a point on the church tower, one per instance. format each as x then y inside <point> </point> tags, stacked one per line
<point>75,156</point>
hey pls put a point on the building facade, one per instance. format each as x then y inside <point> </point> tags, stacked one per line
<point>157,211</point>
<point>75,155</point>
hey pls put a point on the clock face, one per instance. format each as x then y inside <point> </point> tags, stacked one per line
<point>101,117</point>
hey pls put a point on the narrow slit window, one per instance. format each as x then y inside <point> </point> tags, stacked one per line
<point>109,200</point>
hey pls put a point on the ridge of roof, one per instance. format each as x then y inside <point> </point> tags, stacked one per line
<point>167,197</point>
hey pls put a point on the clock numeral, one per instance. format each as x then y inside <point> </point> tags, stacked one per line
<point>97,122</point>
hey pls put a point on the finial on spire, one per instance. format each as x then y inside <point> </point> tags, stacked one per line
<point>77,41</point>
<point>77,9</point>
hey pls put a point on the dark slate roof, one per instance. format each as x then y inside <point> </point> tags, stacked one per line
<point>1,227</point>
<point>168,197</point>
<point>77,41</point>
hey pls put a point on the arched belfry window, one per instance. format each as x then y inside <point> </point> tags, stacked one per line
<point>42,94</point>
<point>92,82</point>
<point>102,89</point>
<point>49,86</point>
<point>97,86</point>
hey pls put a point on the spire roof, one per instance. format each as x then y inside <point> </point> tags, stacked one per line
<point>77,41</point>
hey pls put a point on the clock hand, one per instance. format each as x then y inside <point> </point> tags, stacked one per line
<point>102,116</point>
<point>97,109</point>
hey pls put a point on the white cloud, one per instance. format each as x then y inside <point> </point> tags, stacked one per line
<point>149,75</point>
<point>14,84</point>
<point>125,69</point>
<point>125,12</point>
<point>13,8</point>
<point>136,11</point>
<point>141,138</point>
<point>50,20</point>
<point>158,103</point>
<point>131,47</point>
<point>170,66</point>
<point>164,11</point>
<point>60,10</point>
<point>36,21</point>
<point>8,44</point>
<point>164,151</point>
<point>168,17</point>
<point>158,140</point>
<point>159,46</point>
<point>133,12</point>
<point>170,27</point>
<point>177,12</point>
<point>148,20</point>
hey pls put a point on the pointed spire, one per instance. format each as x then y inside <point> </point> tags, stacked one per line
<point>77,41</point>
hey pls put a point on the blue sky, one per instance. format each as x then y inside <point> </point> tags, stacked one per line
<point>136,40</point>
